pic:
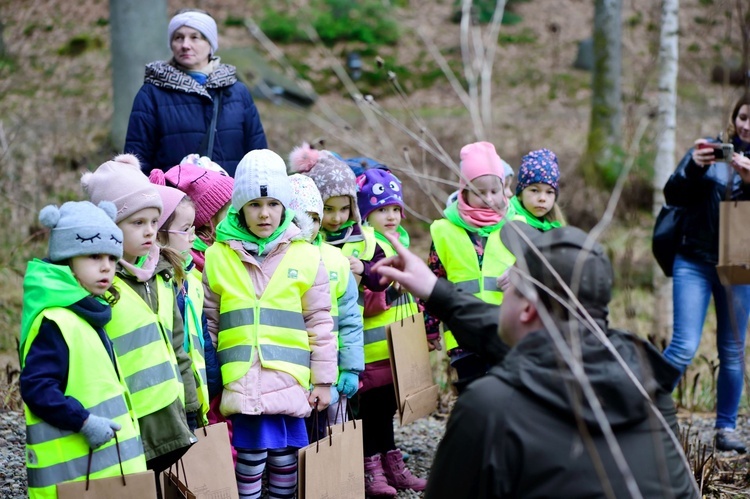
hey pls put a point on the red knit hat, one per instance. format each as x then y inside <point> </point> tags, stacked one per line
<point>208,189</point>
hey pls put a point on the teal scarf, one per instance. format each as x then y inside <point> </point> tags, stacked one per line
<point>231,229</point>
<point>538,223</point>
<point>454,217</point>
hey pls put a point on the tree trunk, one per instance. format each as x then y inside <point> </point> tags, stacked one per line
<point>665,153</point>
<point>604,130</point>
<point>138,32</point>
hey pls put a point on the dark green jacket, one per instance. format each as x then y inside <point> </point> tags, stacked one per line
<point>166,430</point>
<point>513,432</point>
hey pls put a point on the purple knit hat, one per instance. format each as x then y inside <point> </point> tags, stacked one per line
<point>209,190</point>
<point>377,189</point>
<point>538,167</point>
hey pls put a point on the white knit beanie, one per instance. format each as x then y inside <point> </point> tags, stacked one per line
<point>198,21</point>
<point>260,174</point>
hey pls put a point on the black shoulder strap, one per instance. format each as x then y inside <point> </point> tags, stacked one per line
<point>207,145</point>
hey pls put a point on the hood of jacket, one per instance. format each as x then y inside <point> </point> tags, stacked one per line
<point>47,285</point>
<point>162,74</point>
<point>534,367</point>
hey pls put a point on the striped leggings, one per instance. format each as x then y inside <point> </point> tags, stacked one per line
<point>282,472</point>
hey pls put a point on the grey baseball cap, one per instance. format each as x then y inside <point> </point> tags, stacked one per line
<point>582,265</point>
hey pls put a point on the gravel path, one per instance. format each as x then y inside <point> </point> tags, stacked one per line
<point>418,439</point>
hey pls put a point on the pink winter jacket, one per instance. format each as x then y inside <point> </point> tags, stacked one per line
<point>267,391</point>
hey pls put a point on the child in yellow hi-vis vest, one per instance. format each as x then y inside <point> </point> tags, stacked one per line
<point>340,224</point>
<point>268,305</point>
<point>466,246</point>
<point>74,393</point>
<point>146,327</point>
<point>176,231</point>
<point>347,318</point>
<point>380,201</point>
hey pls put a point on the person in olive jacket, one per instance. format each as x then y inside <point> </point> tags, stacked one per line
<point>545,421</point>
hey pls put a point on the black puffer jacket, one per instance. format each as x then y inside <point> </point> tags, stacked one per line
<point>701,190</point>
<point>513,432</point>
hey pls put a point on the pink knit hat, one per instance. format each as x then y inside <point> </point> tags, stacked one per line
<point>122,182</point>
<point>170,198</point>
<point>477,159</point>
<point>209,190</point>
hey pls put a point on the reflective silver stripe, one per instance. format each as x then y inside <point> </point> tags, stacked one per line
<point>282,318</point>
<point>137,338</point>
<point>151,376</point>
<point>75,468</point>
<point>490,284</point>
<point>374,335</point>
<point>197,345</point>
<point>169,334</point>
<point>287,354</point>
<point>42,432</point>
<point>335,323</point>
<point>204,378</point>
<point>236,318</point>
<point>240,353</point>
<point>361,299</point>
<point>469,286</point>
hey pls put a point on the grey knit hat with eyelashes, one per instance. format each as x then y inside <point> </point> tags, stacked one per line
<point>81,228</point>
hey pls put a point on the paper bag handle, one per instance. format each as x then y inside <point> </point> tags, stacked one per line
<point>349,416</point>
<point>119,459</point>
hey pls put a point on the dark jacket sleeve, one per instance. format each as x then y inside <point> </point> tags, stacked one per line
<point>684,185</point>
<point>472,321</point>
<point>213,372</point>
<point>45,377</point>
<point>370,279</point>
<point>141,135</point>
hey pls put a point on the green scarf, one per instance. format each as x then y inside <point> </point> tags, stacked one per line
<point>454,217</point>
<point>231,229</point>
<point>47,285</point>
<point>403,238</point>
<point>342,229</point>
<point>538,223</point>
<point>200,245</point>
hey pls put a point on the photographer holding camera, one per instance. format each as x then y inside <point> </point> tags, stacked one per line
<point>709,173</point>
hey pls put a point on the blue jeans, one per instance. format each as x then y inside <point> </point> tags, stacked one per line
<point>694,284</point>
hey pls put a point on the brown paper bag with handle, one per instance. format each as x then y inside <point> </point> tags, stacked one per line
<point>176,486</point>
<point>140,485</point>
<point>208,465</point>
<point>331,467</point>
<point>416,392</point>
<point>734,243</point>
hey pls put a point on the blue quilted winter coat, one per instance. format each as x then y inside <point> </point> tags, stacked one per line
<point>172,112</point>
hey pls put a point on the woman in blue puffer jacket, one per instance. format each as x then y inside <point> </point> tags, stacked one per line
<point>174,108</point>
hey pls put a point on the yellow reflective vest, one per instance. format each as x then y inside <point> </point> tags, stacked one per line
<point>459,258</point>
<point>55,456</point>
<point>194,339</point>
<point>143,344</point>
<point>365,249</point>
<point>337,266</point>
<point>272,323</point>
<point>376,345</point>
